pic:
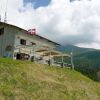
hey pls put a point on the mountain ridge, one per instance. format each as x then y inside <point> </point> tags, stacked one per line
<point>86,60</point>
<point>76,50</point>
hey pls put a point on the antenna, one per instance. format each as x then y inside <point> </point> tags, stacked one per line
<point>0,18</point>
<point>5,19</point>
<point>0,12</point>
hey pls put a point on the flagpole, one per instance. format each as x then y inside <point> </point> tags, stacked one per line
<point>0,18</point>
<point>0,13</point>
<point>5,19</point>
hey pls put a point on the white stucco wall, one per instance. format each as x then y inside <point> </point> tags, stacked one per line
<point>6,39</point>
<point>10,38</point>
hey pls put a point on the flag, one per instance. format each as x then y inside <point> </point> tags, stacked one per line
<point>32,31</point>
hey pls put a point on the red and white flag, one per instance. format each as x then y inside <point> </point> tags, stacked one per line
<point>32,31</point>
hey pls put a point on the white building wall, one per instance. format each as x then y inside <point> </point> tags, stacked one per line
<point>10,37</point>
<point>6,39</point>
<point>34,39</point>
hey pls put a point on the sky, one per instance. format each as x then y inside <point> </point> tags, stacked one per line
<point>38,3</point>
<point>74,22</point>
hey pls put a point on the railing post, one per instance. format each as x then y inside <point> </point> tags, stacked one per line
<point>62,62</point>
<point>72,63</point>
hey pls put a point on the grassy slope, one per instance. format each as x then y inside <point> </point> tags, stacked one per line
<point>27,81</point>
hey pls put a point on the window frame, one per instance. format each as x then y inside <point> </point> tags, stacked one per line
<point>22,41</point>
<point>1,31</point>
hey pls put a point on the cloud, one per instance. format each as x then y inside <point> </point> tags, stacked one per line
<point>65,22</point>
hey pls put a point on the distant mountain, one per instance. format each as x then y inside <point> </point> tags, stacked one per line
<point>86,60</point>
<point>88,63</point>
<point>90,59</point>
<point>75,49</point>
<point>90,55</point>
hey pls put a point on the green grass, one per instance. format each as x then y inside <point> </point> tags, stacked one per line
<point>31,81</point>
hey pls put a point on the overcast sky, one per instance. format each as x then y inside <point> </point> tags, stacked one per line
<point>76,22</point>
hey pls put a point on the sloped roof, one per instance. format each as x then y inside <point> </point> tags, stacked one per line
<point>35,34</point>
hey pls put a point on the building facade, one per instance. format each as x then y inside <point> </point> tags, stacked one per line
<point>16,43</point>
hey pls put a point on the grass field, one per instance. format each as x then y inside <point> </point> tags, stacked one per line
<point>31,81</point>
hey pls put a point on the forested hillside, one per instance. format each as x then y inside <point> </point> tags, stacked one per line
<point>86,60</point>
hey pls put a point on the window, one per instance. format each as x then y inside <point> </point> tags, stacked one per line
<point>8,48</point>
<point>23,42</point>
<point>32,43</point>
<point>1,31</point>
